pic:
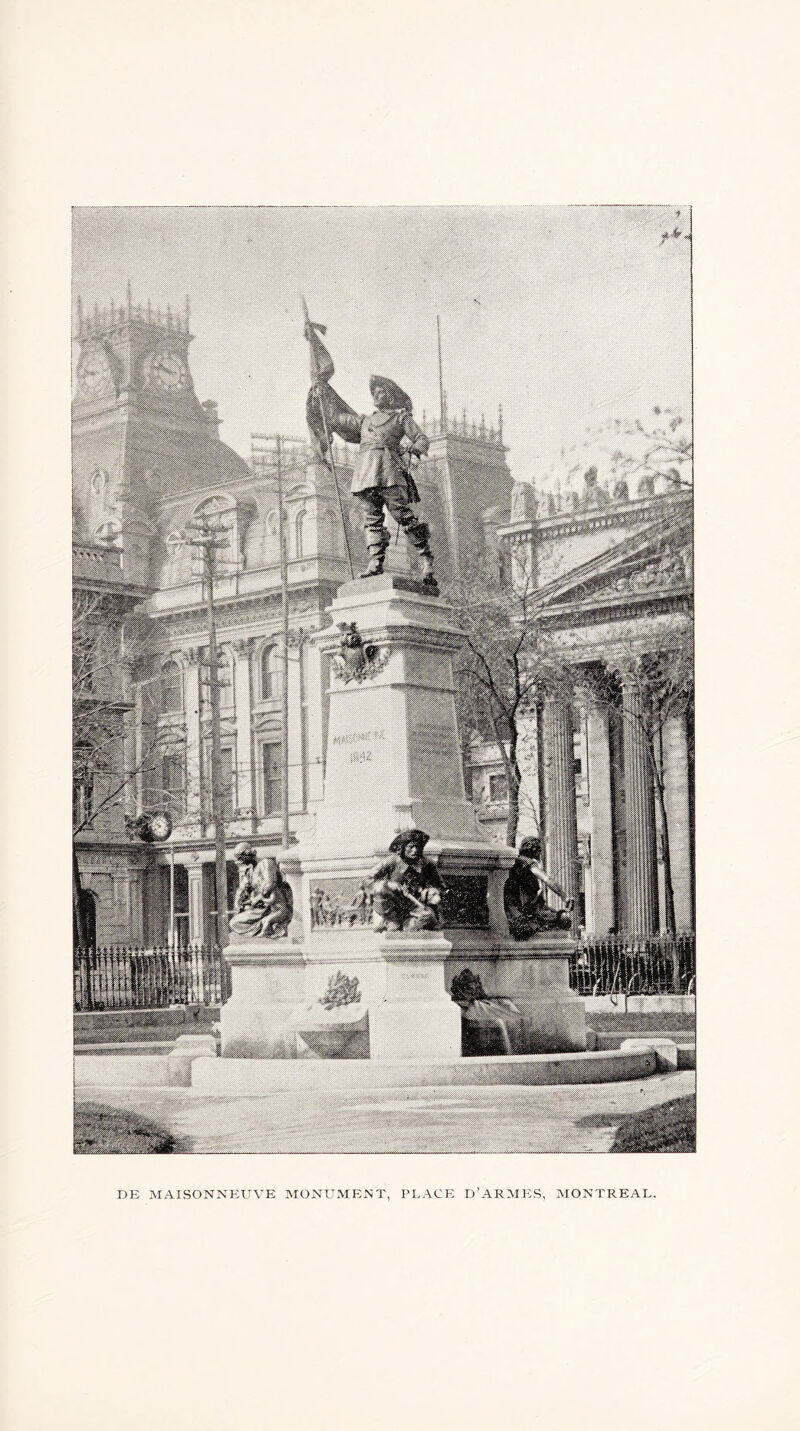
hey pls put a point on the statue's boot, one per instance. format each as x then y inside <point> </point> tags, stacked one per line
<point>375,566</point>
<point>420,534</point>
<point>377,555</point>
<point>428,579</point>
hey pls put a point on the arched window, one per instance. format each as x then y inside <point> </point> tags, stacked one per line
<point>270,674</point>
<point>300,536</point>
<point>108,534</point>
<point>171,687</point>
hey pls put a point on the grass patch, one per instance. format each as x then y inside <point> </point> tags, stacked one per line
<point>667,1128</point>
<point>108,1130</point>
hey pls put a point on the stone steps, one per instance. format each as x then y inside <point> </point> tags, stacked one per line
<point>252,1077</point>
<point>128,1047</point>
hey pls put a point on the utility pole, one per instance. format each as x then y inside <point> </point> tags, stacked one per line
<point>277,472</point>
<point>284,648</point>
<point>208,542</point>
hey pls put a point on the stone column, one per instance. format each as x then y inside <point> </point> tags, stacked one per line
<point>642,894</point>
<point>136,921</point>
<point>245,771</point>
<point>676,799</point>
<point>602,866</point>
<point>196,910</point>
<point>559,793</point>
<point>131,740</point>
<point>139,738</point>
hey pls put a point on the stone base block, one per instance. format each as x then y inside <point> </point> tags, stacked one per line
<point>268,980</point>
<point>416,1018</point>
<point>258,1030</point>
<point>553,1025</point>
<point>416,1031</point>
<point>187,1048</point>
<point>665,1050</point>
<point>535,977</point>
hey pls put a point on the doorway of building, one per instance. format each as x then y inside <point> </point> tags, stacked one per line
<point>88,907</point>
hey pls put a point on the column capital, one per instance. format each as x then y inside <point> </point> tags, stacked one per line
<point>243,645</point>
<point>558,687</point>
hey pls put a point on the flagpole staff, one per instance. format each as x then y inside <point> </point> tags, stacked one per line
<point>324,416</point>
<point>336,485</point>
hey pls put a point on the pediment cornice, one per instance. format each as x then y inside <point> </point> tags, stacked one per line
<point>648,569</point>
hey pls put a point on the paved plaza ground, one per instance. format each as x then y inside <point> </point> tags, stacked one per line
<point>568,1119</point>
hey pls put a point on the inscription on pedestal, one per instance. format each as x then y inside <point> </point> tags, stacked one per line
<point>360,748</point>
<point>435,760</point>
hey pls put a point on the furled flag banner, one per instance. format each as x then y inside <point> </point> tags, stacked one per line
<point>323,405</point>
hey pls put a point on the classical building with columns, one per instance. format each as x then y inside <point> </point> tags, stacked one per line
<point>608,759</point>
<point>148,466</point>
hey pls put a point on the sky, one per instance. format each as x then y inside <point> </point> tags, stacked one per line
<point>567,316</point>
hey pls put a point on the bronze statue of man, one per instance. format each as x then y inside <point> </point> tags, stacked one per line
<point>406,889</point>
<point>390,445</point>
<point>526,908</point>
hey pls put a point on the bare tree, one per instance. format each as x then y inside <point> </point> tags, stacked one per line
<point>504,665</point>
<point>656,446</point>
<point>110,645</point>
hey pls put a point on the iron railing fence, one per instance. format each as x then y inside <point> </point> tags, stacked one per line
<point>130,977</point>
<point>634,964</point>
<point>126,977</point>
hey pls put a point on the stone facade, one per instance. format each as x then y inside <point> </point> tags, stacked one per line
<point>608,768</point>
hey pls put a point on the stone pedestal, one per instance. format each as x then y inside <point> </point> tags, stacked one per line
<point>416,1019</point>
<point>535,976</point>
<point>268,977</point>
<point>393,761</point>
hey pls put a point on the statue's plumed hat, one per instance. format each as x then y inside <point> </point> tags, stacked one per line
<point>395,394</point>
<point>244,849</point>
<point>531,847</point>
<point>408,837</point>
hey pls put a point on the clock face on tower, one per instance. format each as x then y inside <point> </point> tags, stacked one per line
<point>94,371</point>
<point>168,371</point>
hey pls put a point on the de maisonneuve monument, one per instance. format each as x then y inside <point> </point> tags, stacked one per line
<point>394,892</point>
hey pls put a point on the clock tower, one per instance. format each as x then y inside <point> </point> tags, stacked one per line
<point>134,351</point>
<point>139,433</point>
